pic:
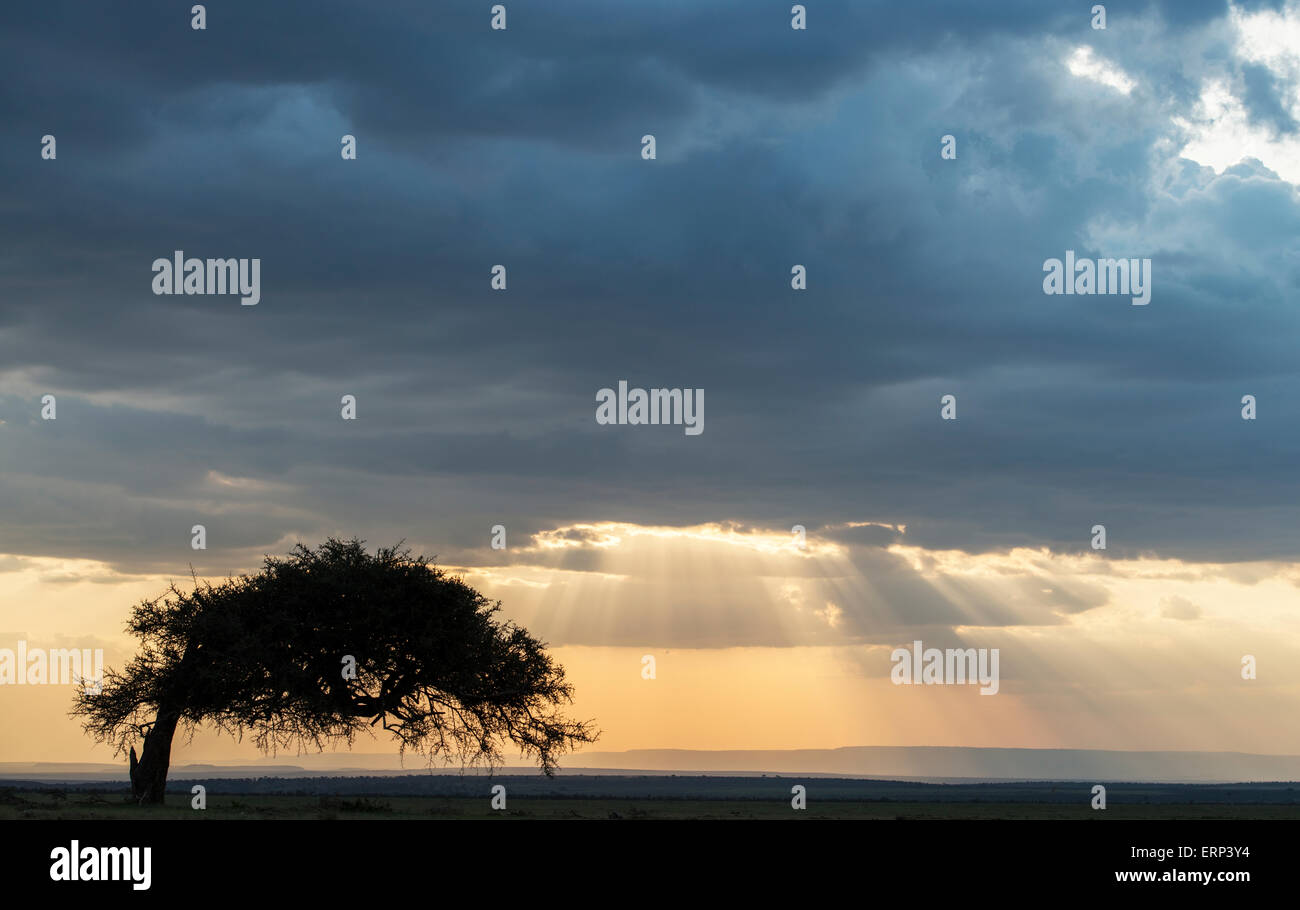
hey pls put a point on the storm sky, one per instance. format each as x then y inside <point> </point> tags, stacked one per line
<point>1171,135</point>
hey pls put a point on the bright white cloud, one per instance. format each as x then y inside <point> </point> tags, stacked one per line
<point>1220,132</point>
<point>1084,64</point>
<point>1270,38</point>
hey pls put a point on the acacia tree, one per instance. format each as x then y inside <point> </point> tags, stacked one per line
<point>326,643</point>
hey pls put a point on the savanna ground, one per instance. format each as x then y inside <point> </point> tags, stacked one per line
<point>62,804</point>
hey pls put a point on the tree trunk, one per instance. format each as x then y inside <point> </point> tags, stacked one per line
<point>149,773</point>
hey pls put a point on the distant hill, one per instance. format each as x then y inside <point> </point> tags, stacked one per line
<point>941,762</point>
<point>712,787</point>
<point>920,763</point>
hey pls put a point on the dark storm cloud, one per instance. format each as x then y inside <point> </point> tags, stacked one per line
<point>1264,98</point>
<point>522,148</point>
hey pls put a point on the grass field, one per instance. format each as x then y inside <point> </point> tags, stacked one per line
<point>57,804</point>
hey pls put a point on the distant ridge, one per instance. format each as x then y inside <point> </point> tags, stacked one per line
<point>951,762</point>
<point>919,763</point>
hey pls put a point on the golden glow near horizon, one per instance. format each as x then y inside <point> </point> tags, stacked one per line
<point>604,535</point>
<point>762,644</point>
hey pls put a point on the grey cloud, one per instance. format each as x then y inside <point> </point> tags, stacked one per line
<point>476,407</point>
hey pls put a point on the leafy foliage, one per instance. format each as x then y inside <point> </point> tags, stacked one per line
<point>263,655</point>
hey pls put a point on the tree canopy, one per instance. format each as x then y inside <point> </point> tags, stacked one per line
<point>323,644</point>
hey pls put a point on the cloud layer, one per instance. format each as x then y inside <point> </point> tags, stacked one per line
<point>522,147</point>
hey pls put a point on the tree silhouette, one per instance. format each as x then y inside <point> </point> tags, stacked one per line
<point>270,655</point>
